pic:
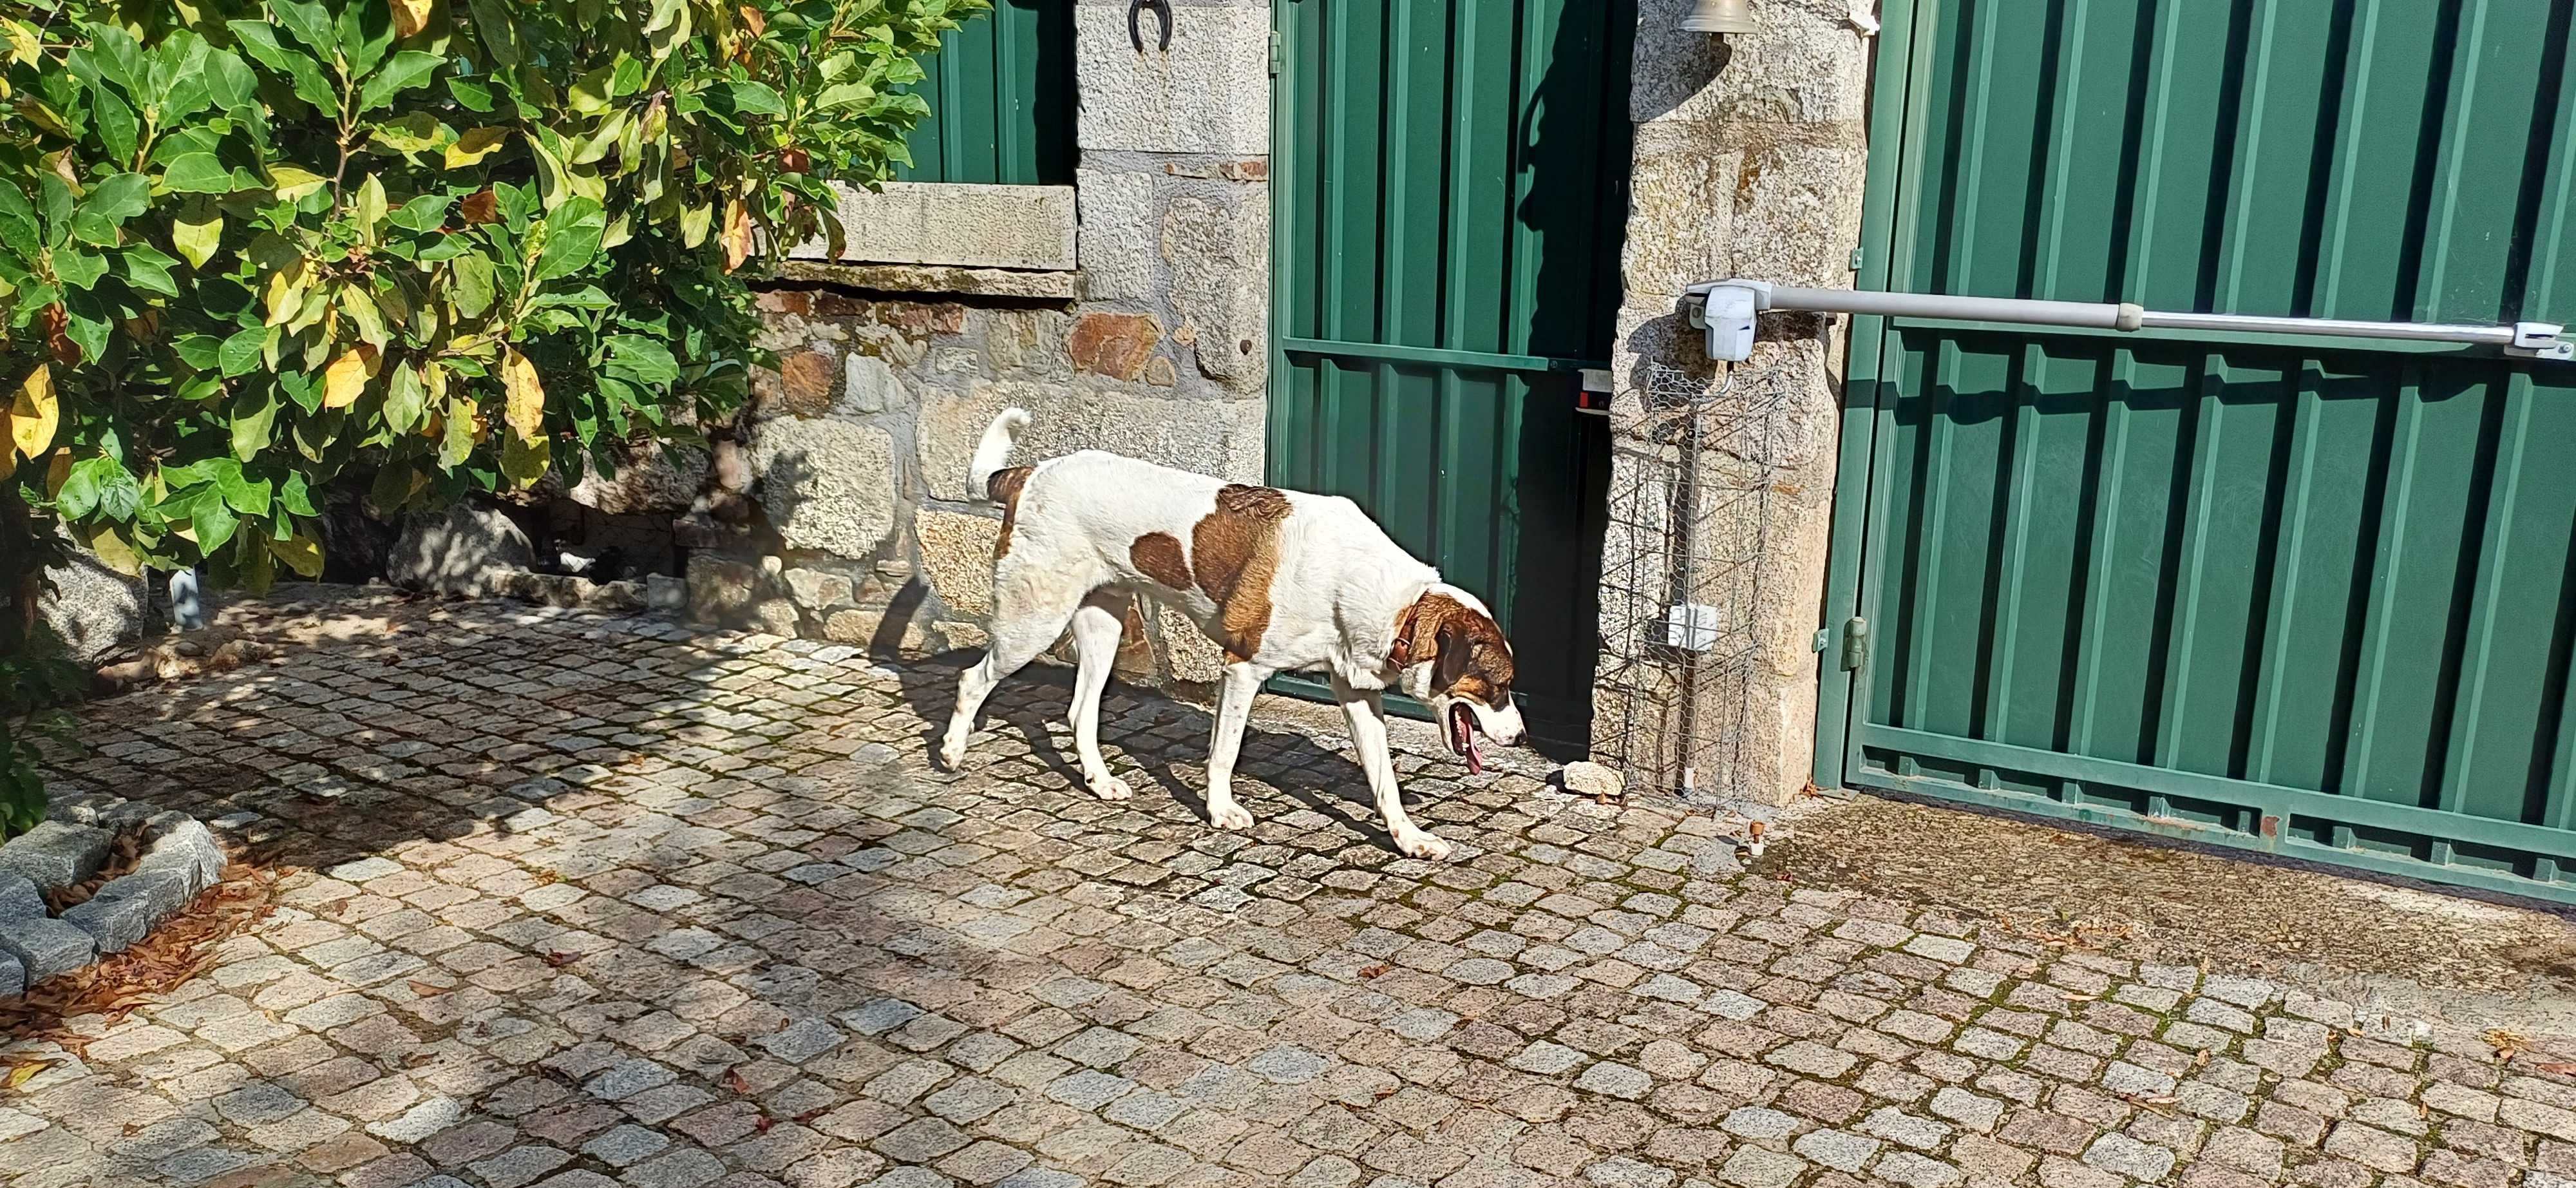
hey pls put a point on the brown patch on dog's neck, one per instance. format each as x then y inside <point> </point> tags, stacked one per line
<point>1237,547</point>
<point>1004,488</point>
<point>1157,555</point>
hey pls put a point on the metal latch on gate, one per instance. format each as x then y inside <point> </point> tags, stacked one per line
<point>1855,635</point>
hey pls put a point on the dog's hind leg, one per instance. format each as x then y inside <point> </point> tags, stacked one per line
<point>1234,705</point>
<point>1097,627</point>
<point>1030,607</point>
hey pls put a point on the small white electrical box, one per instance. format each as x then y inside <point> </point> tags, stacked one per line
<point>1730,323</point>
<point>1691,626</point>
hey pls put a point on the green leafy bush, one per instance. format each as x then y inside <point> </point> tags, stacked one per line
<point>251,250</point>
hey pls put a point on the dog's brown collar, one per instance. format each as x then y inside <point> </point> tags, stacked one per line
<point>1400,654</point>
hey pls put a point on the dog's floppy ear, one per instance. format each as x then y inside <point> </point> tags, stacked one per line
<point>1455,649</point>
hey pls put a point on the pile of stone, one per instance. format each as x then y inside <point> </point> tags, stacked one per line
<point>179,858</point>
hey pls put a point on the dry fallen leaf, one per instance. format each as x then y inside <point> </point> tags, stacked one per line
<point>23,1071</point>
<point>733,1080</point>
<point>560,960</point>
<point>2561,1067</point>
<point>425,990</point>
<point>1372,971</point>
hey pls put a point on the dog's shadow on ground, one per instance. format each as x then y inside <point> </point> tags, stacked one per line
<point>1328,780</point>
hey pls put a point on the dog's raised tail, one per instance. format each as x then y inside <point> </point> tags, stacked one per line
<point>994,450</point>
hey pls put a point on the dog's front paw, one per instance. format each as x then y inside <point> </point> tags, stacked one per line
<point>1229,815</point>
<point>1419,844</point>
<point>1110,787</point>
<point>952,751</point>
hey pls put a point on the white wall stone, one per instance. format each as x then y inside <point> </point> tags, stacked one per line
<point>1209,93</point>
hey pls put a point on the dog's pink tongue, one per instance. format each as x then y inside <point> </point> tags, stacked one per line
<point>1475,757</point>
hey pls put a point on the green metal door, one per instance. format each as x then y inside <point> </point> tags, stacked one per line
<point>2315,597</point>
<point>1450,188</point>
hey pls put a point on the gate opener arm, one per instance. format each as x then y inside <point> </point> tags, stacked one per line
<point>1725,309</point>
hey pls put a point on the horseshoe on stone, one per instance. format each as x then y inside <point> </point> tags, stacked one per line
<point>1136,30</point>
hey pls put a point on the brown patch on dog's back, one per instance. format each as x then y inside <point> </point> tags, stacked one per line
<point>1157,555</point>
<point>1237,546</point>
<point>1004,488</point>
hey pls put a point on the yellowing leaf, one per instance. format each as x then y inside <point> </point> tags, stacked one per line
<point>526,410</point>
<point>25,1071</point>
<point>26,47</point>
<point>286,292</point>
<point>196,230</point>
<point>474,145</point>
<point>410,17</point>
<point>292,183</point>
<point>346,379</point>
<point>371,208</point>
<point>34,415</point>
<point>58,470</point>
<point>111,548</point>
<point>693,225</point>
<point>524,461</point>
<point>737,234</point>
<point>301,555</point>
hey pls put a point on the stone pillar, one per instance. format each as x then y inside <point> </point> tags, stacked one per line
<point>1751,153</point>
<point>1142,328</point>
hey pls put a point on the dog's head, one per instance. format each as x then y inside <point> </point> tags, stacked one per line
<point>1451,656</point>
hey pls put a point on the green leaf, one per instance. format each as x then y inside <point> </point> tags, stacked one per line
<point>473,277</point>
<point>405,70</point>
<point>473,94</point>
<point>295,497</point>
<point>310,22</point>
<point>246,495</point>
<point>196,230</point>
<point>79,494</point>
<point>148,268</point>
<point>119,496</point>
<point>259,40</point>
<point>115,124</point>
<point>108,205</point>
<point>497,28</point>
<point>254,417</point>
<point>196,173</point>
<point>19,231</point>
<point>214,523</point>
<point>641,360</point>
<point>78,269</point>
<point>87,325</point>
<point>240,353</point>
<point>425,213</point>
<point>404,397</point>
<point>201,351</point>
<point>229,81</point>
<point>756,98</point>
<point>573,240</point>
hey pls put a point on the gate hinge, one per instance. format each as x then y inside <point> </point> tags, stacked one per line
<point>1276,53</point>
<point>1856,259</point>
<point>1855,643</point>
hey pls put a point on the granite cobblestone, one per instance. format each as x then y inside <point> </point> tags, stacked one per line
<point>579,900</point>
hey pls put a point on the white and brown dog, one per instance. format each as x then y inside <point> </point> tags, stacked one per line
<point>1281,580</point>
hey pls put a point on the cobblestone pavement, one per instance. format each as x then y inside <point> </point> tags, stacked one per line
<point>581,901</point>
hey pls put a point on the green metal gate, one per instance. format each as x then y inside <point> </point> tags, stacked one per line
<point>1450,189</point>
<point>1001,100</point>
<point>2314,597</point>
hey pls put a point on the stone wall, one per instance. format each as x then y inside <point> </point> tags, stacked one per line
<point>1751,153</point>
<point>841,509</point>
